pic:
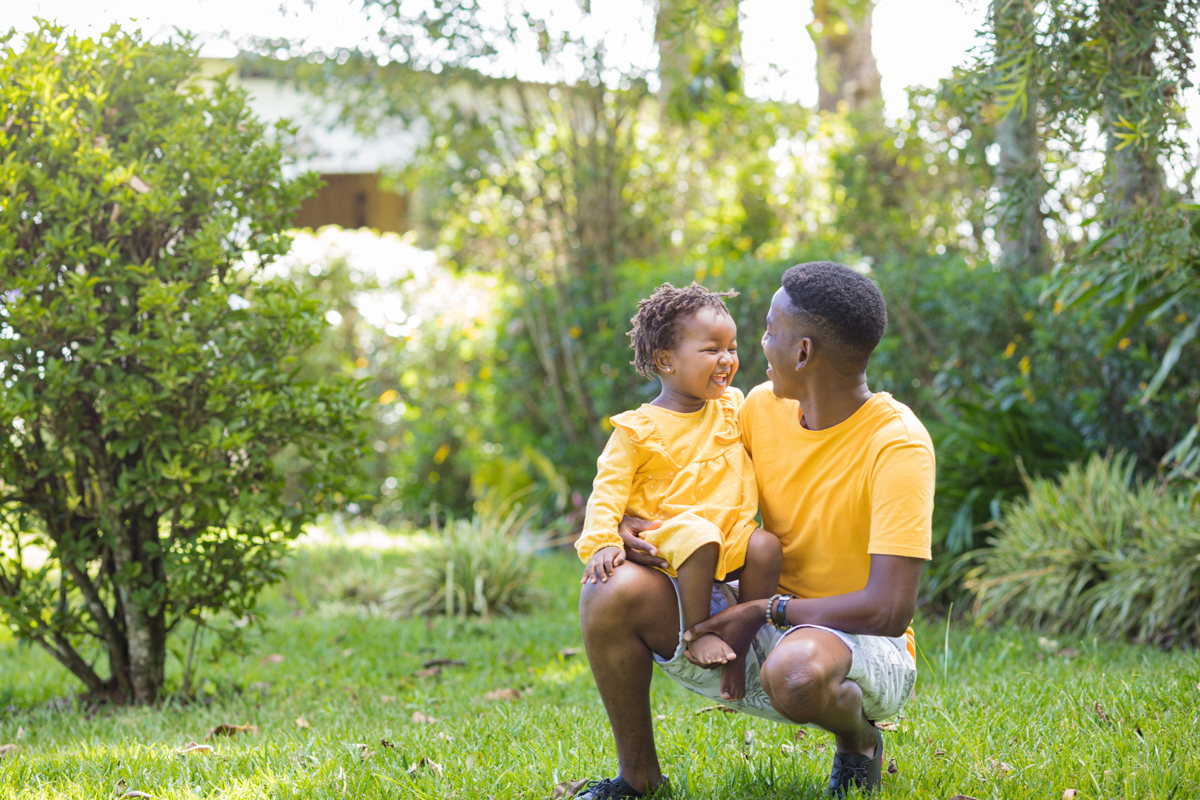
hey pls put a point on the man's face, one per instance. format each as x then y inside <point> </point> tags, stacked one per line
<point>779,346</point>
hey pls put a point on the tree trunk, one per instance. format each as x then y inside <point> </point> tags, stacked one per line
<point>846,69</point>
<point>1019,181</point>
<point>1135,175</point>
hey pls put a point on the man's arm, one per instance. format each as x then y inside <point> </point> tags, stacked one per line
<point>884,607</point>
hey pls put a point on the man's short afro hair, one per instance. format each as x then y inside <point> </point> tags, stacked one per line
<point>656,325</point>
<point>844,306</point>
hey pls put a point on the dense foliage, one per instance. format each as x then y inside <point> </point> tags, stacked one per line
<point>1095,551</point>
<point>148,383</point>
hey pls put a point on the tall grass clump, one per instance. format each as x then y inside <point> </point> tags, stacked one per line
<point>1095,550</point>
<point>470,567</point>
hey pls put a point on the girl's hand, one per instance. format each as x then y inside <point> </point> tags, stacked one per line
<point>602,564</point>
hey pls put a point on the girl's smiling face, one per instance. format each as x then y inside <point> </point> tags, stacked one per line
<point>702,363</point>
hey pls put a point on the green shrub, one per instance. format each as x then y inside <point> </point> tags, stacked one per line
<point>148,385</point>
<point>1095,551</point>
<point>471,566</point>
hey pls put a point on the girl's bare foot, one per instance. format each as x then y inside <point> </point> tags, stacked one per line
<point>710,650</point>
<point>733,679</point>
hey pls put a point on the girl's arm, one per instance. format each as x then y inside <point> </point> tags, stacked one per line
<point>610,495</point>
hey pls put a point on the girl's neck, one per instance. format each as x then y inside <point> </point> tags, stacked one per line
<point>673,400</point>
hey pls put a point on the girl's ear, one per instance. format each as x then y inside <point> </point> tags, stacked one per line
<point>662,361</point>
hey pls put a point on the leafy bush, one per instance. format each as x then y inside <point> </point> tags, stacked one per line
<point>1097,551</point>
<point>470,566</point>
<point>148,380</point>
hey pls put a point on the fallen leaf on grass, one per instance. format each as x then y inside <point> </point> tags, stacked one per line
<point>194,749</point>
<point>801,734</point>
<point>661,718</point>
<point>364,752</point>
<point>429,763</point>
<point>1070,794</point>
<point>892,768</point>
<point>8,749</point>
<point>274,658</point>
<point>821,748</point>
<point>301,722</point>
<point>888,726</point>
<point>726,709</point>
<point>939,753</point>
<point>999,765</point>
<point>228,729</point>
<point>786,749</point>
<point>384,743</point>
<point>1101,714</point>
<point>419,717</point>
<point>567,789</point>
<point>503,694</point>
<point>428,672</point>
<point>748,739</point>
<point>444,662</point>
<point>569,652</point>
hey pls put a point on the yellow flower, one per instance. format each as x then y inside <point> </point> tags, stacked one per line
<point>1024,365</point>
<point>1012,348</point>
<point>576,331</point>
<point>1121,345</point>
<point>388,396</point>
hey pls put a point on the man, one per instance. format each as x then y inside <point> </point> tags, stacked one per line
<point>845,480</point>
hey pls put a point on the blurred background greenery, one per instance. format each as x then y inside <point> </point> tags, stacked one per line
<point>1031,222</point>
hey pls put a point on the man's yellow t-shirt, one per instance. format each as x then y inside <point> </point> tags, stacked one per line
<point>837,496</point>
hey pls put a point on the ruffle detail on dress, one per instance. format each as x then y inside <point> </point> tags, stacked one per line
<point>644,433</point>
<point>731,431</point>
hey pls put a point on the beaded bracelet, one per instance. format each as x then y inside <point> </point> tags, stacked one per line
<point>774,599</point>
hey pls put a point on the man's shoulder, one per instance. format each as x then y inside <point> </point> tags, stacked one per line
<point>898,421</point>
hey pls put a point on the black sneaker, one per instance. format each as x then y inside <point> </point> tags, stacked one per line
<point>608,789</point>
<point>855,769</point>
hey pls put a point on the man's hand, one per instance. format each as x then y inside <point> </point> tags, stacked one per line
<point>638,550</point>
<point>602,564</point>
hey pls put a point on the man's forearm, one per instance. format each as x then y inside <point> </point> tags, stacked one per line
<point>855,612</point>
<point>884,607</point>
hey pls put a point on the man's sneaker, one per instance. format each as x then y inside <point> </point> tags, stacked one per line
<point>855,769</point>
<point>608,789</point>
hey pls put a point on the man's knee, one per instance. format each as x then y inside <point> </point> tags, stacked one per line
<point>630,589</point>
<point>800,678</point>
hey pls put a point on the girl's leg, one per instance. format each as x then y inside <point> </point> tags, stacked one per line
<point>695,577</point>
<point>757,579</point>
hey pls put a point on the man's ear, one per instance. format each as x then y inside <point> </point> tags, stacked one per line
<point>804,350</point>
<point>662,361</point>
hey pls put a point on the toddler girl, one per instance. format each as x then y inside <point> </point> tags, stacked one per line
<point>680,460</point>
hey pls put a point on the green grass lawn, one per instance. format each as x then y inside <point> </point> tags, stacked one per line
<point>344,707</point>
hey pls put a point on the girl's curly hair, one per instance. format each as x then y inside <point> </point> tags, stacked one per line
<point>656,325</point>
